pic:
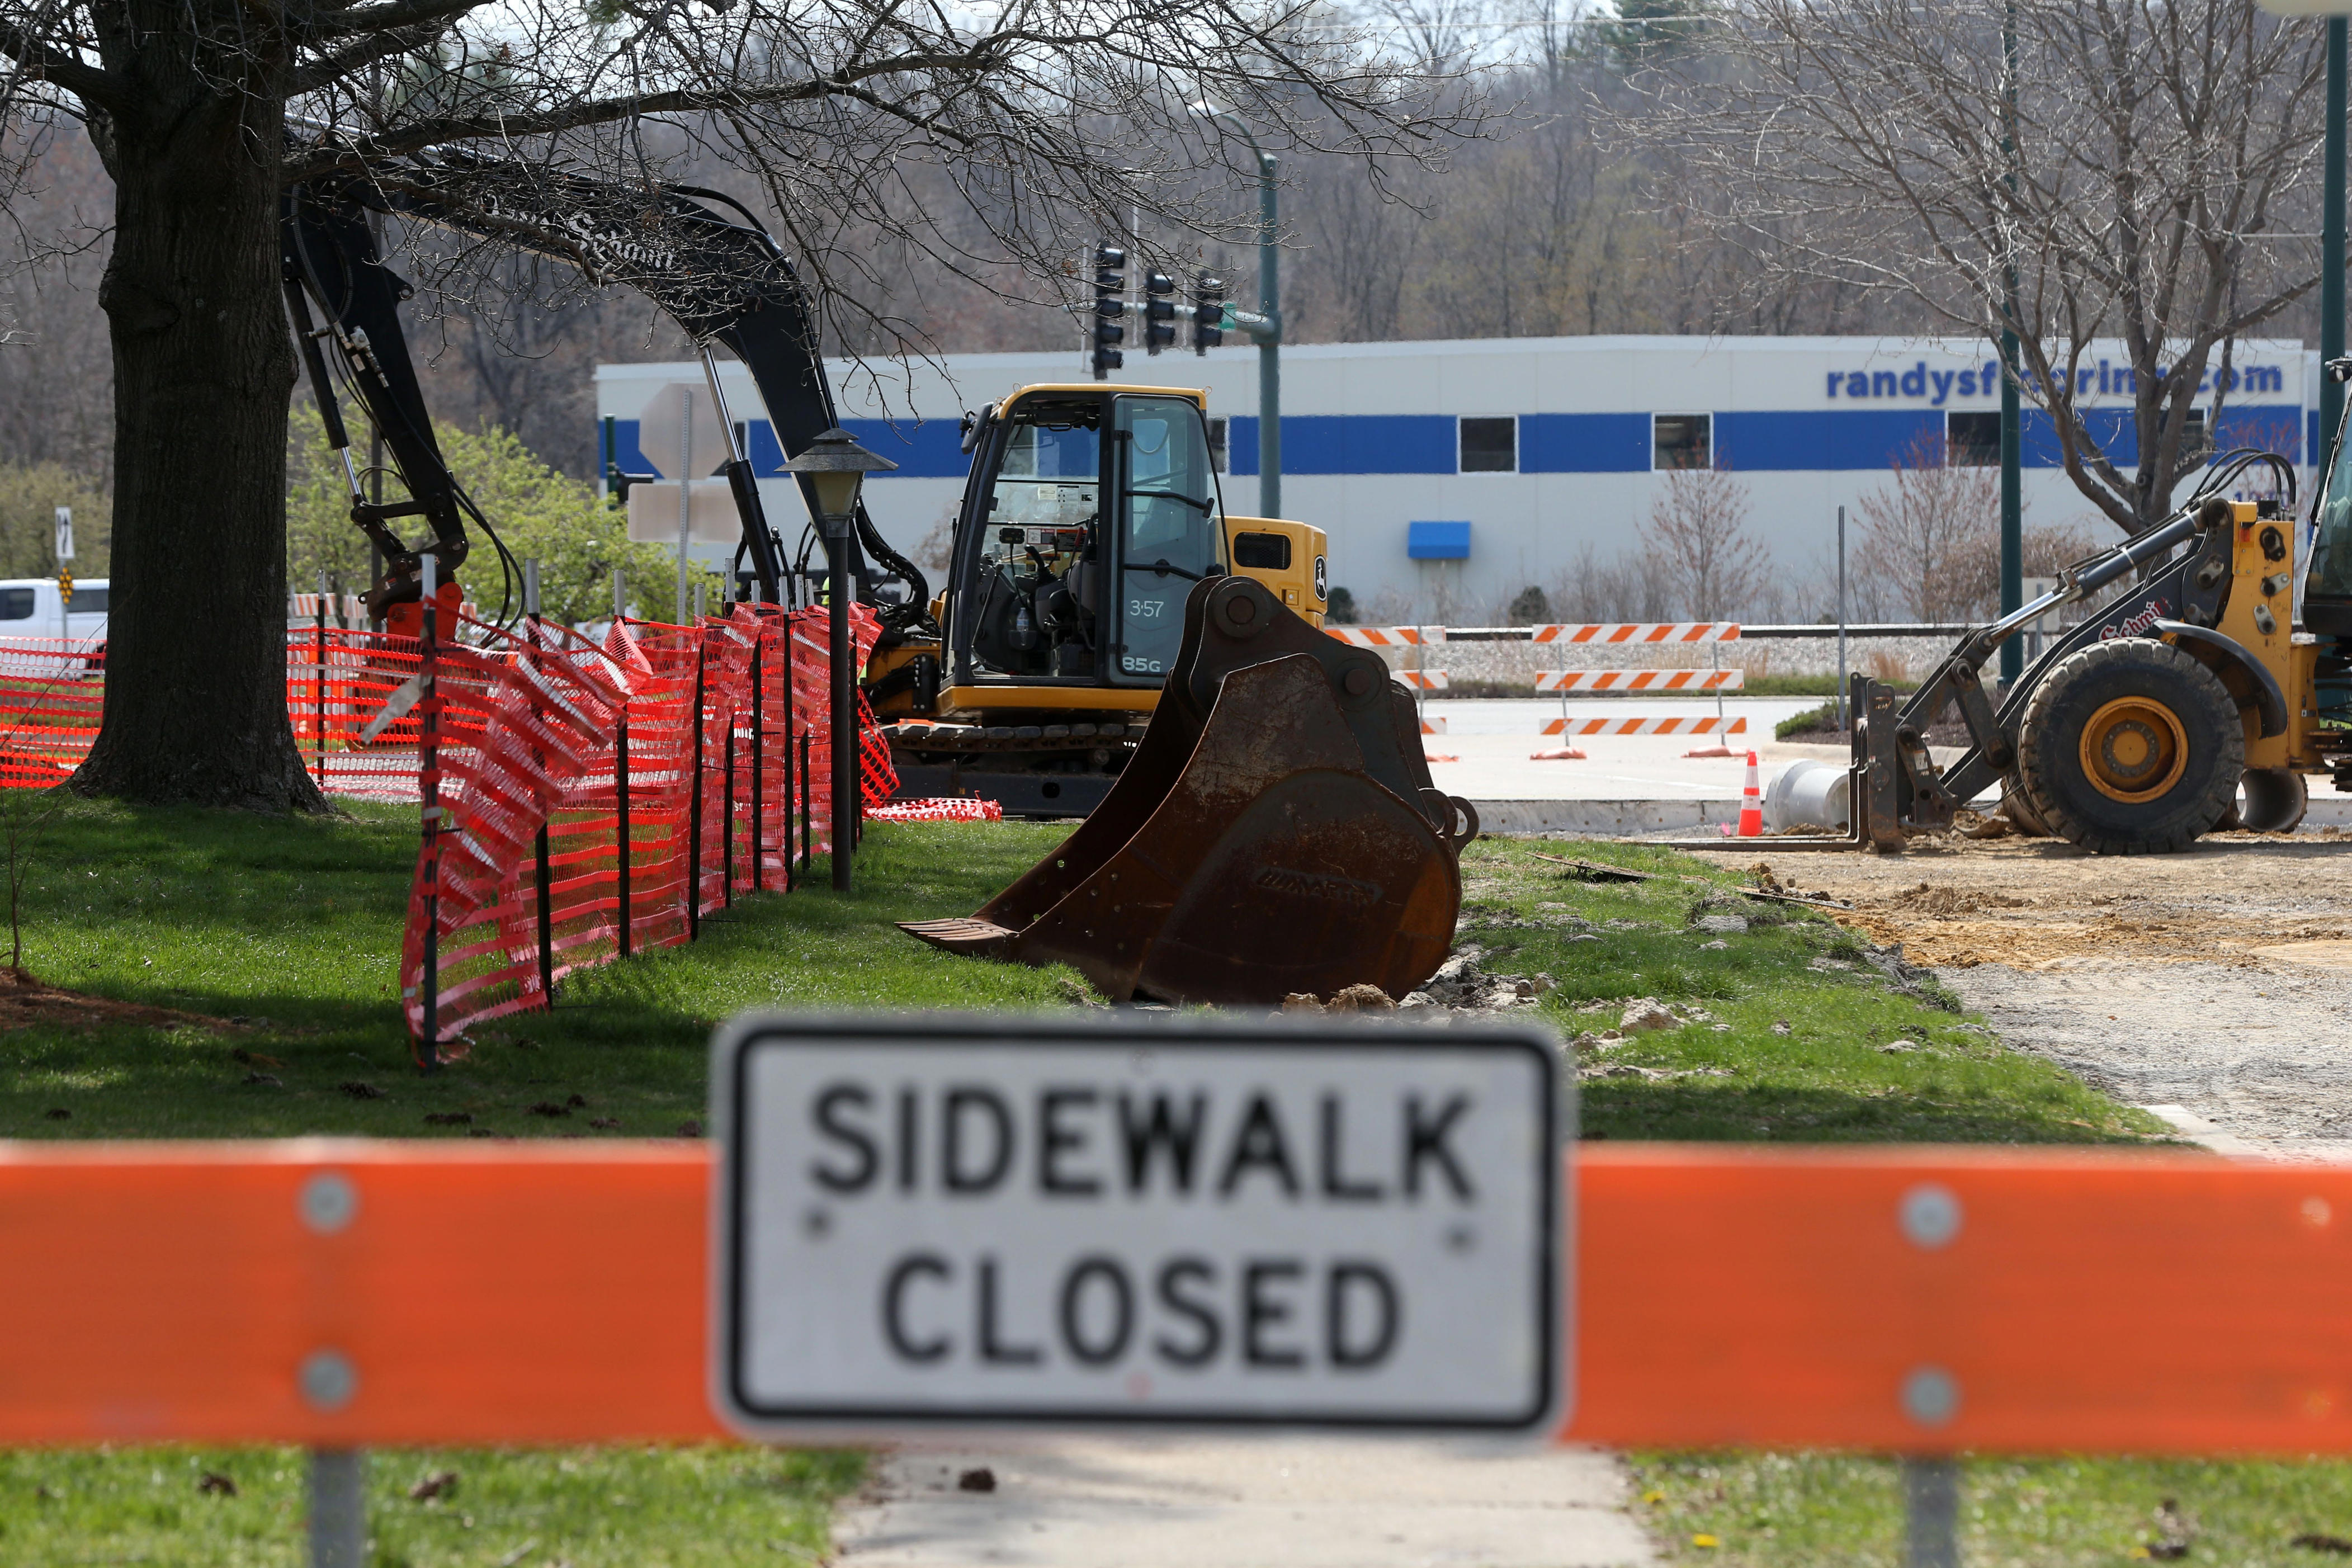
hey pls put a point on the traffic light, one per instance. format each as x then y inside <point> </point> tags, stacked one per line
<point>1110,284</point>
<point>1159,311</point>
<point>1208,313</point>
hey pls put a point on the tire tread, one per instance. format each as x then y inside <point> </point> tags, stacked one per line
<point>2200,684</point>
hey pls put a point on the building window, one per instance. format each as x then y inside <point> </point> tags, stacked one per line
<point>2195,445</point>
<point>1490,445</point>
<point>1971,440</point>
<point>1682,441</point>
<point>1217,445</point>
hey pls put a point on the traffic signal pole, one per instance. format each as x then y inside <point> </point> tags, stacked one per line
<point>1269,343</point>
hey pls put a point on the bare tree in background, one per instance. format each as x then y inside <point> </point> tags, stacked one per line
<point>1040,125</point>
<point>1698,543</point>
<point>1921,531</point>
<point>1621,588</point>
<point>2140,174</point>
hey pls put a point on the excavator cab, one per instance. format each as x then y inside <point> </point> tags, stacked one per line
<point>1089,515</point>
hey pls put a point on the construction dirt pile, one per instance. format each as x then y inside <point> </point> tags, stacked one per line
<point>1460,985</point>
<point>1954,902</point>
<point>2219,980</point>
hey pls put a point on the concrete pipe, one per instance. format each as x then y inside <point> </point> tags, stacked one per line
<point>1807,795</point>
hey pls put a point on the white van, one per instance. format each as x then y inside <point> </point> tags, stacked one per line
<point>31,626</point>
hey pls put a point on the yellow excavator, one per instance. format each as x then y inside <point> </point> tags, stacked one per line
<point>1111,644</point>
<point>1089,513</point>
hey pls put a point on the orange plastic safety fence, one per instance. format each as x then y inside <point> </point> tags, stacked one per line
<point>52,693</point>
<point>583,789</point>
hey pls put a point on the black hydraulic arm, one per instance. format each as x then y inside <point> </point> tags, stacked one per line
<point>329,260</point>
<point>721,280</point>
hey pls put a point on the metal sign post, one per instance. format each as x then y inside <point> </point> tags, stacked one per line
<point>996,1222</point>
<point>65,574</point>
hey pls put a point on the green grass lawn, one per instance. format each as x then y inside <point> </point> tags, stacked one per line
<point>293,927</point>
<point>698,1506</point>
<point>1838,1511</point>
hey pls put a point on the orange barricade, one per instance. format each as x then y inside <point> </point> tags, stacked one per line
<point>708,746</point>
<point>52,695</point>
<point>705,750</point>
<point>558,1292</point>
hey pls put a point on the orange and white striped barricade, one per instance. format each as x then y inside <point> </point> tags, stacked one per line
<point>1638,632</point>
<point>1714,679</point>
<point>1695,725</point>
<point>1612,680</point>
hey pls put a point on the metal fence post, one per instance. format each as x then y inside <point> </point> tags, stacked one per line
<point>694,803</point>
<point>1840,610</point>
<point>319,686</point>
<point>759,767</point>
<point>546,926</point>
<point>727,819</point>
<point>623,848</point>
<point>338,1522</point>
<point>544,881</point>
<point>808,828</point>
<point>428,775</point>
<point>1931,1512</point>
<point>784,850</point>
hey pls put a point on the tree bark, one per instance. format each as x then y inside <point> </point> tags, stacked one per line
<point>195,685</point>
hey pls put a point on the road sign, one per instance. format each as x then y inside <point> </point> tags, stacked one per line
<point>993,1222</point>
<point>678,429</point>
<point>710,510</point>
<point>65,533</point>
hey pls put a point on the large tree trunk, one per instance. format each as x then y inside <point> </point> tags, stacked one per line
<point>195,687</point>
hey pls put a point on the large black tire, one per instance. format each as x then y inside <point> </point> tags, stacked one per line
<point>2131,747</point>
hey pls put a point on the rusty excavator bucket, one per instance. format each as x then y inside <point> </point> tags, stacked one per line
<point>1276,831</point>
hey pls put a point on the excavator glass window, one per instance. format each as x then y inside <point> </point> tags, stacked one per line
<point>1170,526</point>
<point>1034,610</point>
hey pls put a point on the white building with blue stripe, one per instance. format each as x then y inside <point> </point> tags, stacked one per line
<point>1499,463</point>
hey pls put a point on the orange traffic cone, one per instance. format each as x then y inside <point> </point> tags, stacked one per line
<point>1751,804</point>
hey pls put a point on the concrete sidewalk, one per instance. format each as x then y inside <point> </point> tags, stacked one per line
<point>1277,1502</point>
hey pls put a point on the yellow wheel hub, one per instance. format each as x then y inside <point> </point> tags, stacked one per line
<point>2134,749</point>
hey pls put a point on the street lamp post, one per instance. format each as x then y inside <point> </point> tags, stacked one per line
<point>1265,326</point>
<point>833,471</point>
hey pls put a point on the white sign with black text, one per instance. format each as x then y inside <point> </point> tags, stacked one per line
<point>995,1221</point>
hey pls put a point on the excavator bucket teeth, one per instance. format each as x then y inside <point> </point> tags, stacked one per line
<point>981,938</point>
<point>1276,832</point>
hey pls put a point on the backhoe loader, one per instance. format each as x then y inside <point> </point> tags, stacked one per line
<point>2187,699</point>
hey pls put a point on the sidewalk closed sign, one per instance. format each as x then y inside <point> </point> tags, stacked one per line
<point>1000,1222</point>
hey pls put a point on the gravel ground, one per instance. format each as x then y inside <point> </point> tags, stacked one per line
<point>2215,985</point>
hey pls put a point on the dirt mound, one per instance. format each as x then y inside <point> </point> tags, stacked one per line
<point>1928,898</point>
<point>25,1001</point>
